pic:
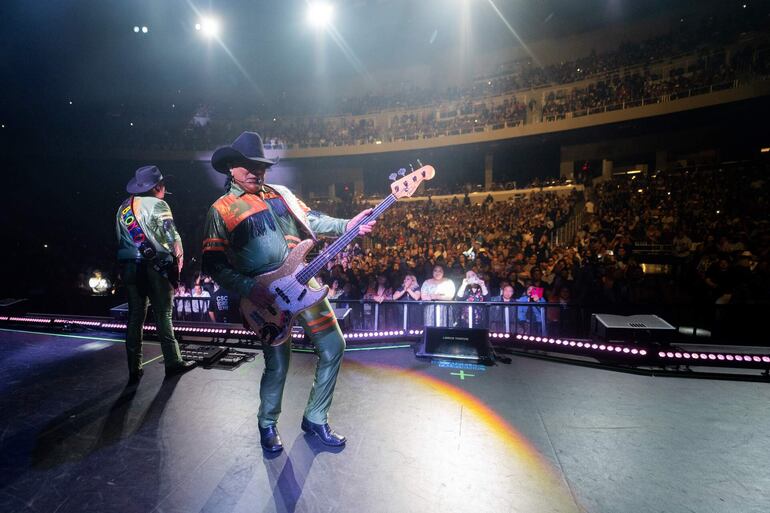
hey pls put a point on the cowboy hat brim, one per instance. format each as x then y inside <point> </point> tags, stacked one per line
<point>221,159</point>
<point>134,186</point>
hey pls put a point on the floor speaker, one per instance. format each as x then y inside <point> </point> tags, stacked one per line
<point>470,344</point>
<point>631,328</point>
<point>120,312</point>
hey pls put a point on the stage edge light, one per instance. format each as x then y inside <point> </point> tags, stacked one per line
<point>319,14</point>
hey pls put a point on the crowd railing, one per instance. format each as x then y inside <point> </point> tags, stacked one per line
<point>737,324</point>
<point>640,102</point>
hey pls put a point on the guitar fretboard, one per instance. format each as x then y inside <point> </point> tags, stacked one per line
<point>318,263</point>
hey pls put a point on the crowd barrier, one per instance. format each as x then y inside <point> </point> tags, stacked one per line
<point>708,323</point>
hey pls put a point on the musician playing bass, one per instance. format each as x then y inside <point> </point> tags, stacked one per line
<point>250,231</point>
<point>150,253</point>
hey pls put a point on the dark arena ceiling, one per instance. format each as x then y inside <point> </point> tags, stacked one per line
<point>87,50</point>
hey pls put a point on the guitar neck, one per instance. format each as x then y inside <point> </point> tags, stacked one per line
<point>318,263</point>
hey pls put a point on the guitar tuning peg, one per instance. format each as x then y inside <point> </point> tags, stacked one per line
<point>393,176</point>
<point>419,163</point>
<point>402,171</point>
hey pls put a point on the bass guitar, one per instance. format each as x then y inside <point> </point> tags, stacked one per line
<point>290,282</point>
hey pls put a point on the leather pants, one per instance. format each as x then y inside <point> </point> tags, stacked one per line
<point>321,326</point>
<point>144,283</point>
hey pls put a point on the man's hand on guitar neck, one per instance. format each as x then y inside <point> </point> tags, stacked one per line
<point>261,296</point>
<point>364,228</point>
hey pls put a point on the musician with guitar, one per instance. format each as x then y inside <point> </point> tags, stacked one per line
<point>256,239</point>
<point>249,232</point>
<point>150,252</point>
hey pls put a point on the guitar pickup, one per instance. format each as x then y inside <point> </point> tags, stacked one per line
<point>282,294</point>
<point>302,294</point>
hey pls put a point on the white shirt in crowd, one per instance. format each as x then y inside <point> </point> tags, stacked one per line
<point>201,305</point>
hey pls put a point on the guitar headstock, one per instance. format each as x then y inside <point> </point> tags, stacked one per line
<point>405,186</point>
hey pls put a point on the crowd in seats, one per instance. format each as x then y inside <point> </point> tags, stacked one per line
<point>463,115</point>
<point>525,74</point>
<point>647,86</point>
<point>502,241</point>
<point>712,240</point>
<point>717,231</point>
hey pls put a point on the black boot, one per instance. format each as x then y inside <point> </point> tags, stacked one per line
<point>270,439</point>
<point>324,432</point>
<point>135,376</point>
<point>180,368</point>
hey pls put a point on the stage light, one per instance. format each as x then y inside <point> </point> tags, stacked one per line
<point>209,26</point>
<point>145,30</point>
<point>136,29</point>
<point>319,14</point>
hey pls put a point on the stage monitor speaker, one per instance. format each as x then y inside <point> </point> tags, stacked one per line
<point>120,312</point>
<point>341,313</point>
<point>11,305</point>
<point>470,344</point>
<point>631,328</point>
<point>342,316</point>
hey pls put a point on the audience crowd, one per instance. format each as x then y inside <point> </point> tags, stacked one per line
<point>629,90</point>
<point>708,245</point>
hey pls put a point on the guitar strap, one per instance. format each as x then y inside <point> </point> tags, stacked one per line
<point>142,243</point>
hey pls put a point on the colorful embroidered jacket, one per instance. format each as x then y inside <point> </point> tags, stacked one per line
<point>247,235</point>
<point>154,216</point>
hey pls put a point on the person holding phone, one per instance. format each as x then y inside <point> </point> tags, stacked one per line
<point>531,317</point>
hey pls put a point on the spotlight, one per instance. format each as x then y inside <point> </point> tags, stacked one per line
<point>145,30</point>
<point>136,29</point>
<point>319,14</point>
<point>209,26</point>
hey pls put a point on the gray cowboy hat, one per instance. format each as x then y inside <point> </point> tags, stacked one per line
<point>145,178</point>
<point>247,148</point>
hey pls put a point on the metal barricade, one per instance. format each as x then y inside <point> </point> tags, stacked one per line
<point>505,317</point>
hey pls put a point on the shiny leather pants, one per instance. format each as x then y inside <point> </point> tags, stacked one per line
<point>324,332</point>
<point>143,284</point>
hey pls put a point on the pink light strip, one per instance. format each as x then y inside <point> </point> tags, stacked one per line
<point>613,348</point>
<point>721,357</point>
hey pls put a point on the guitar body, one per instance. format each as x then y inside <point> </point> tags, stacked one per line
<point>273,324</point>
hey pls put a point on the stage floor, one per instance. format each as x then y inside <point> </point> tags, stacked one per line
<point>533,436</point>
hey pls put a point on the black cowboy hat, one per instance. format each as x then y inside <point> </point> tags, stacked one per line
<point>145,178</point>
<point>247,148</point>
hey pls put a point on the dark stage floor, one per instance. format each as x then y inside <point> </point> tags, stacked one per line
<point>533,436</point>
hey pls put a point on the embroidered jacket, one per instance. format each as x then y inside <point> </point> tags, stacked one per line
<point>154,216</point>
<point>247,235</point>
